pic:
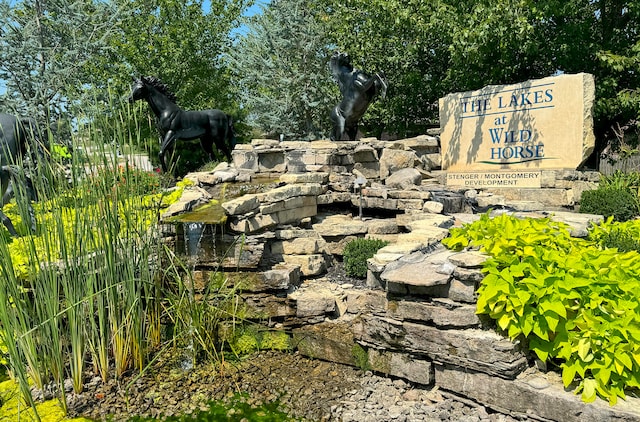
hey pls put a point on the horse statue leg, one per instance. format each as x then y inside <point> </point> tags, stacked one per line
<point>5,183</point>
<point>338,123</point>
<point>169,139</point>
<point>381,84</point>
<point>229,141</point>
<point>5,177</point>
<point>206,142</point>
<point>352,131</point>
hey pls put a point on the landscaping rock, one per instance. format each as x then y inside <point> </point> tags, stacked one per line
<point>479,350</point>
<point>404,179</point>
<point>339,225</point>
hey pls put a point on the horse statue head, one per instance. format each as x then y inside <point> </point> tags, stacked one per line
<point>141,88</point>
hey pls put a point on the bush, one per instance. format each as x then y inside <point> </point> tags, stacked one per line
<point>624,236</point>
<point>356,254</point>
<point>574,302</point>
<point>610,201</point>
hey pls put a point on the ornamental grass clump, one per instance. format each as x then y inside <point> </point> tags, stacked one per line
<point>574,301</point>
<point>87,290</point>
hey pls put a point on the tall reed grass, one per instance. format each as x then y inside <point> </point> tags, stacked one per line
<point>85,294</point>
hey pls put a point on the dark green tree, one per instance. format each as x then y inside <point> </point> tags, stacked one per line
<point>180,42</point>
<point>406,40</point>
<point>281,67</point>
<point>428,49</point>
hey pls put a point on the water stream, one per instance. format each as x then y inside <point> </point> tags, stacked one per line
<point>193,233</point>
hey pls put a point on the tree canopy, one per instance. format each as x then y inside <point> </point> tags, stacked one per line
<point>44,47</point>
<point>428,49</point>
<point>280,66</point>
<point>53,53</point>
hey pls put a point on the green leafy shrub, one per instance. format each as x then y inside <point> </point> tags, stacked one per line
<point>610,201</point>
<point>275,340</point>
<point>575,302</point>
<point>249,338</point>
<point>245,343</point>
<point>356,254</point>
<point>625,236</point>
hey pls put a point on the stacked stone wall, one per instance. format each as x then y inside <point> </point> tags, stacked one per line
<point>414,316</point>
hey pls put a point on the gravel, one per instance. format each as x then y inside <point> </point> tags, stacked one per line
<point>307,389</point>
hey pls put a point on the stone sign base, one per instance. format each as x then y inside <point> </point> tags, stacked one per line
<point>414,315</point>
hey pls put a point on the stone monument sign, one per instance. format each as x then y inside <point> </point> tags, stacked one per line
<point>504,135</point>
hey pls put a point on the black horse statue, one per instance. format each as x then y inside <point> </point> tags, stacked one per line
<point>358,91</point>
<point>210,126</point>
<point>18,137</point>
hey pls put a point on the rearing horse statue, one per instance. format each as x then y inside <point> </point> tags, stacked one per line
<point>210,126</point>
<point>358,91</point>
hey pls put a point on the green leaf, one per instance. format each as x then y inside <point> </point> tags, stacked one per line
<point>625,359</point>
<point>603,375</point>
<point>568,374</point>
<point>526,322</point>
<point>552,320</point>
<point>584,348</point>
<point>589,390</point>
<point>636,355</point>
<point>504,321</point>
<point>540,328</point>
<point>556,306</point>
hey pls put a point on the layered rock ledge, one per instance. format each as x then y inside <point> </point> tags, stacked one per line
<point>414,316</point>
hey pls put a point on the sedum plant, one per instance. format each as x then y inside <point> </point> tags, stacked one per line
<point>574,301</point>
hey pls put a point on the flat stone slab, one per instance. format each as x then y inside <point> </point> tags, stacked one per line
<point>426,219</point>
<point>471,259</point>
<point>401,365</point>
<point>443,313</point>
<point>310,177</point>
<point>541,396</point>
<point>332,341</point>
<point>478,350</point>
<point>381,226</point>
<point>420,269</point>
<point>192,197</point>
<point>314,302</point>
<point>280,278</point>
<point>340,225</point>
<point>290,191</point>
<point>428,235</point>
<point>579,223</point>
<point>241,205</point>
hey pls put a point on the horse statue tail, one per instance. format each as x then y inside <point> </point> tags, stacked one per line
<point>381,84</point>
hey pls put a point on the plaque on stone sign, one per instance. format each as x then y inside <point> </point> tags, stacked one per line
<point>535,125</point>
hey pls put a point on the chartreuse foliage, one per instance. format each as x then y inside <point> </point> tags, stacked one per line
<point>13,408</point>
<point>575,302</point>
<point>145,216</point>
